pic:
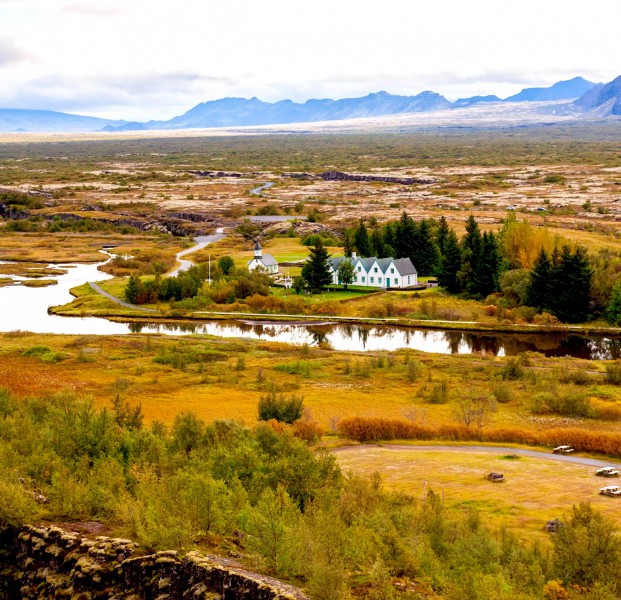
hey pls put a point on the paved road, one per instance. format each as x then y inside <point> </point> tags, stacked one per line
<point>258,191</point>
<point>95,287</point>
<point>580,460</point>
<point>201,242</point>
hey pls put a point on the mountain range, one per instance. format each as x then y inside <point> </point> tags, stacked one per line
<point>589,100</point>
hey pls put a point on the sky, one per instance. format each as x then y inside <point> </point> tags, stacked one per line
<point>154,59</point>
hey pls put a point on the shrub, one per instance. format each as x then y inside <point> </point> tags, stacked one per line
<point>512,369</point>
<point>613,374</point>
<point>439,393</point>
<point>502,393</point>
<point>285,410</point>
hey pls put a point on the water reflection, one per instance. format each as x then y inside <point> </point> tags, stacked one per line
<point>363,338</point>
<point>23,308</point>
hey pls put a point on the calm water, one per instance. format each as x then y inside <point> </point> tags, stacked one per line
<point>25,309</point>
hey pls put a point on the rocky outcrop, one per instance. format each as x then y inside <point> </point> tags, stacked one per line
<point>218,174</point>
<point>49,562</point>
<point>340,176</point>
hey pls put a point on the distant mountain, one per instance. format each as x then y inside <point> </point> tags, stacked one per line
<point>234,112</point>
<point>602,100</point>
<point>465,102</point>
<point>48,121</point>
<point>563,90</point>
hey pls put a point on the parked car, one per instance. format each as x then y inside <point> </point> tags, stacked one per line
<point>496,477</point>
<point>563,450</point>
<point>607,472</point>
<point>610,490</point>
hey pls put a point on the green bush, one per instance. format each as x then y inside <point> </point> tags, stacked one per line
<point>274,406</point>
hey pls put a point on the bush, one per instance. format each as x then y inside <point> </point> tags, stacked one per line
<point>613,374</point>
<point>279,408</point>
<point>513,369</point>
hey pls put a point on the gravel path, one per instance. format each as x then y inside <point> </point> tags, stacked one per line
<point>580,460</point>
<point>95,287</point>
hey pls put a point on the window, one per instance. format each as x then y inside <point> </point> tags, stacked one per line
<point>379,280</point>
<point>371,279</point>
<point>363,279</point>
<point>375,270</point>
<point>392,270</point>
<point>359,269</point>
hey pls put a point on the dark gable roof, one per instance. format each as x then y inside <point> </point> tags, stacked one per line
<point>405,267</point>
<point>268,260</point>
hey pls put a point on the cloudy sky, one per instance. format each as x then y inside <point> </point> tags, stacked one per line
<point>142,59</point>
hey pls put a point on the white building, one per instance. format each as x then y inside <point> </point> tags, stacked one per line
<point>263,261</point>
<point>378,272</point>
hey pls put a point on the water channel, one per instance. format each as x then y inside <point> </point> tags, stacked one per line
<point>23,308</point>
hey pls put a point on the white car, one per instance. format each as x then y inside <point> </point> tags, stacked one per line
<point>563,450</point>
<point>610,490</point>
<point>607,472</point>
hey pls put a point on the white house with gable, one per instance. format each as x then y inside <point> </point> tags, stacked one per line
<point>378,272</point>
<point>266,262</point>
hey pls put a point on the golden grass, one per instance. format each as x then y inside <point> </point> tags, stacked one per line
<point>535,490</point>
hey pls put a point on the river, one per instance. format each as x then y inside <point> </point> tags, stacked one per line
<point>24,308</point>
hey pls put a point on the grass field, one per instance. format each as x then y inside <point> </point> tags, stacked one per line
<point>535,490</point>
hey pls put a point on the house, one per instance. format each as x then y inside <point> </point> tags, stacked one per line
<point>262,261</point>
<point>378,272</point>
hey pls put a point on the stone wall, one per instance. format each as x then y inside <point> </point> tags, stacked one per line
<point>49,562</point>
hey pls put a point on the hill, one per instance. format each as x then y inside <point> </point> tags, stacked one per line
<point>47,121</point>
<point>562,90</point>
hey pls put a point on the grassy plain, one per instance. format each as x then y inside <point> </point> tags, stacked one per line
<point>535,491</point>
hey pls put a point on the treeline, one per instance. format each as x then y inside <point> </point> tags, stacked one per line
<point>519,266</point>
<point>226,286</point>
<point>265,493</point>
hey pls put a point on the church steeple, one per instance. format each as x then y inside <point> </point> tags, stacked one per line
<point>258,251</point>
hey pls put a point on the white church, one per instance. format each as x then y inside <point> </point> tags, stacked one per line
<point>378,272</point>
<point>266,262</point>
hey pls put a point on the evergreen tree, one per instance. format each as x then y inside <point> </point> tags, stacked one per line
<point>450,264</point>
<point>472,245</point>
<point>316,269</point>
<point>572,286</point>
<point>538,292</point>
<point>361,240</point>
<point>490,265</point>
<point>348,244</point>
<point>405,234</point>
<point>425,256</point>
<point>442,233</point>
<point>377,244</point>
<point>388,234</point>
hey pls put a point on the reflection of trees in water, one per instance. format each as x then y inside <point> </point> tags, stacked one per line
<point>318,336</point>
<point>135,327</point>
<point>453,339</point>
<point>483,344</point>
<point>347,330</point>
<point>605,348</point>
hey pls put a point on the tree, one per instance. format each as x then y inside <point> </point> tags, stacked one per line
<point>361,240</point>
<point>405,233</point>
<point>133,289</point>
<point>348,244</point>
<point>570,285</point>
<point>424,251</point>
<point>613,311</point>
<point>538,291</point>
<point>490,265</point>
<point>226,264</point>
<point>316,269</point>
<point>472,247</point>
<point>346,273</point>
<point>586,549</point>
<point>450,264</point>
<point>442,234</point>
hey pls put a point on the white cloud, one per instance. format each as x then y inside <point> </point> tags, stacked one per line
<point>152,59</point>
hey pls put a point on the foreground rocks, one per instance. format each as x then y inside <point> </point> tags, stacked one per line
<point>49,562</point>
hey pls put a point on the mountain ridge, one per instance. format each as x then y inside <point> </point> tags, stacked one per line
<point>590,100</point>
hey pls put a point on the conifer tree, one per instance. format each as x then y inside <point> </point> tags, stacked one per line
<point>316,269</point>
<point>442,234</point>
<point>538,292</point>
<point>425,254</point>
<point>490,265</point>
<point>361,240</point>
<point>377,244</point>
<point>471,272</point>
<point>348,244</point>
<point>613,311</point>
<point>405,234</point>
<point>450,264</point>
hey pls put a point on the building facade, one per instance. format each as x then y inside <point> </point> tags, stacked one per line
<point>378,272</point>
<point>266,262</point>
